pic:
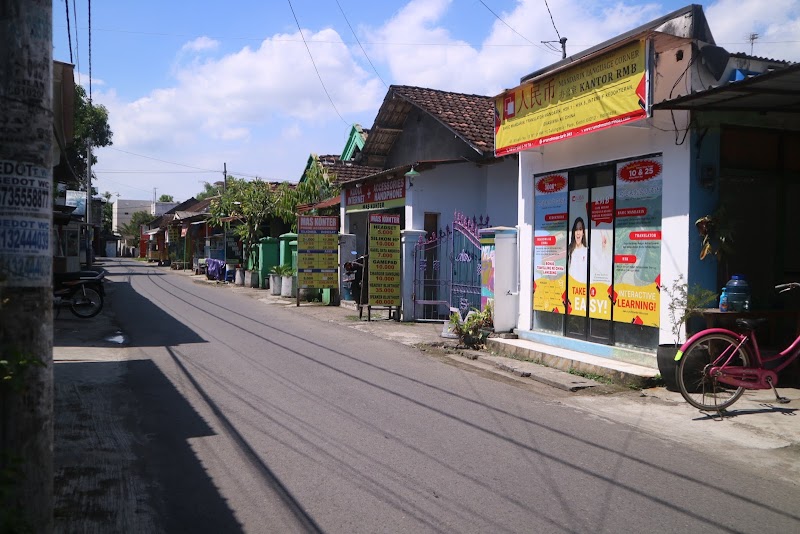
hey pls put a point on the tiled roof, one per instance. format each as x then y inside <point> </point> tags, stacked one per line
<point>345,171</point>
<point>471,117</point>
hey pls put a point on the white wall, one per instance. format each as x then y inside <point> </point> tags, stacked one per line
<point>621,142</point>
<point>123,210</point>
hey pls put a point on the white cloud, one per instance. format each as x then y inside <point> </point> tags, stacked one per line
<point>776,22</point>
<point>200,44</point>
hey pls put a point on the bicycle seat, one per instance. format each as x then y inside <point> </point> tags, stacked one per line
<point>749,325</point>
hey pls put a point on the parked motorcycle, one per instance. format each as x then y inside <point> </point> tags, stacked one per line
<point>82,291</point>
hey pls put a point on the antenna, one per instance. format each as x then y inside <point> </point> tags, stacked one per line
<point>752,38</point>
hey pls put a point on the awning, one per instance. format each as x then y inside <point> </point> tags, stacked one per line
<point>776,91</point>
<point>153,232</point>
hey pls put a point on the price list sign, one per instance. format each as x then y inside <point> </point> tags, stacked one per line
<point>318,252</point>
<point>384,260</point>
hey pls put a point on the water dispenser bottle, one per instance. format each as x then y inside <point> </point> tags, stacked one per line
<point>738,292</point>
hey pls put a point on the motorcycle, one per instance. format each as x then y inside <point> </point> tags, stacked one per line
<point>82,291</point>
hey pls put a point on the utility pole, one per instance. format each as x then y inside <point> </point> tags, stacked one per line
<point>88,215</point>
<point>26,305</point>
<point>225,224</point>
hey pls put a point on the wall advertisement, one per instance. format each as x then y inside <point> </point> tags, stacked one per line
<point>550,242</point>
<point>384,260</point>
<point>26,208</point>
<point>487,269</point>
<point>594,95</point>
<point>637,247</point>
<point>318,252</point>
<point>577,253</point>
<point>601,252</point>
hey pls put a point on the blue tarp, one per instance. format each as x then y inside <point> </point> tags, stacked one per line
<point>215,269</point>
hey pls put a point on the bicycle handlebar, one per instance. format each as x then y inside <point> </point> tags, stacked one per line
<point>787,287</point>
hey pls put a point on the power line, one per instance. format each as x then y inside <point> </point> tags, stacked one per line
<point>551,19</point>
<point>314,63</point>
<point>510,28</point>
<point>77,43</point>
<point>163,160</point>
<point>359,44</point>
<point>69,32</point>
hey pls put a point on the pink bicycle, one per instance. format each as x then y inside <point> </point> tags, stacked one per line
<point>716,365</point>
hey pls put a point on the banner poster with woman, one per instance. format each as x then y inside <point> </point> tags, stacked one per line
<point>550,242</point>
<point>601,252</point>
<point>637,247</point>
<point>577,253</point>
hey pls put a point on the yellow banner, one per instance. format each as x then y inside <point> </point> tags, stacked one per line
<point>601,93</point>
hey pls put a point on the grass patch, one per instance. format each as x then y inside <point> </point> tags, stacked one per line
<point>590,376</point>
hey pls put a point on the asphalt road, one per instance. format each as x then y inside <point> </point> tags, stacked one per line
<point>230,415</point>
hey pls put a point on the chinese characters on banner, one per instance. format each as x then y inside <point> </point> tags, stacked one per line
<point>384,260</point>
<point>550,242</point>
<point>594,95</point>
<point>318,252</point>
<point>637,248</point>
<point>601,253</point>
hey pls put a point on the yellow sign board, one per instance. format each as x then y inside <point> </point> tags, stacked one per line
<point>598,94</point>
<point>318,252</point>
<point>384,260</point>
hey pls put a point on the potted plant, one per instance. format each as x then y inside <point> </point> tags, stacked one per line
<point>275,275</point>
<point>287,282</point>
<point>473,329</point>
<point>684,303</point>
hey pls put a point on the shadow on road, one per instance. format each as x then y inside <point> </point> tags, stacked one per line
<point>122,457</point>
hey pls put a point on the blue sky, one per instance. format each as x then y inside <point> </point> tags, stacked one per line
<point>192,85</point>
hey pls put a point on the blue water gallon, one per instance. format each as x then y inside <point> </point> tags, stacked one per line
<point>738,292</point>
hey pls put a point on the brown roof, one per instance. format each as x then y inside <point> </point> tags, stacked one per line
<point>470,117</point>
<point>345,171</point>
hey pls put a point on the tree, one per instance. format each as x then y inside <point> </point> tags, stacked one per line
<point>210,190</point>
<point>166,198</point>
<point>249,204</point>
<point>91,128</point>
<point>133,229</point>
<point>108,213</point>
<point>315,186</point>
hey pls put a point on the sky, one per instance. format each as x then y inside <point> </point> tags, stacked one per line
<point>257,86</point>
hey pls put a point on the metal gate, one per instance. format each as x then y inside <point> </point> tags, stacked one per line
<point>447,270</point>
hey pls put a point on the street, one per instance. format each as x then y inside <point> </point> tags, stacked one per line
<point>220,413</point>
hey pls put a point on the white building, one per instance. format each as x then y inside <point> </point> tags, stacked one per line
<point>123,210</point>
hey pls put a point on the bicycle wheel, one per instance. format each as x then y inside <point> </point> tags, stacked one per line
<point>85,302</point>
<point>700,389</point>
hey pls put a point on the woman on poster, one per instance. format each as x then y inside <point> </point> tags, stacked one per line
<point>578,252</point>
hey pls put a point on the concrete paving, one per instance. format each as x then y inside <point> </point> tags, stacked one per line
<point>756,429</point>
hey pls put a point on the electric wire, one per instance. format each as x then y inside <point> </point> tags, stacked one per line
<point>512,29</point>
<point>77,43</point>
<point>314,63</point>
<point>551,19</point>
<point>69,32</point>
<point>359,44</point>
<point>90,53</point>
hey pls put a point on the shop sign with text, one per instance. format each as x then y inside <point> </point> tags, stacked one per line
<point>372,196</point>
<point>550,243</point>
<point>598,94</point>
<point>384,260</point>
<point>317,252</point>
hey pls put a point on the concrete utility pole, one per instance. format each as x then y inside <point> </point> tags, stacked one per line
<point>26,306</point>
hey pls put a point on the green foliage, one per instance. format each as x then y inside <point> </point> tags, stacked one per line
<point>315,186</point>
<point>475,328</point>
<point>249,205</point>
<point>91,128</point>
<point>210,190</point>
<point>685,303</point>
<point>166,198</point>
<point>132,230</point>
<point>108,212</point>
<point>282,270</point>
<point>13,367</point>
